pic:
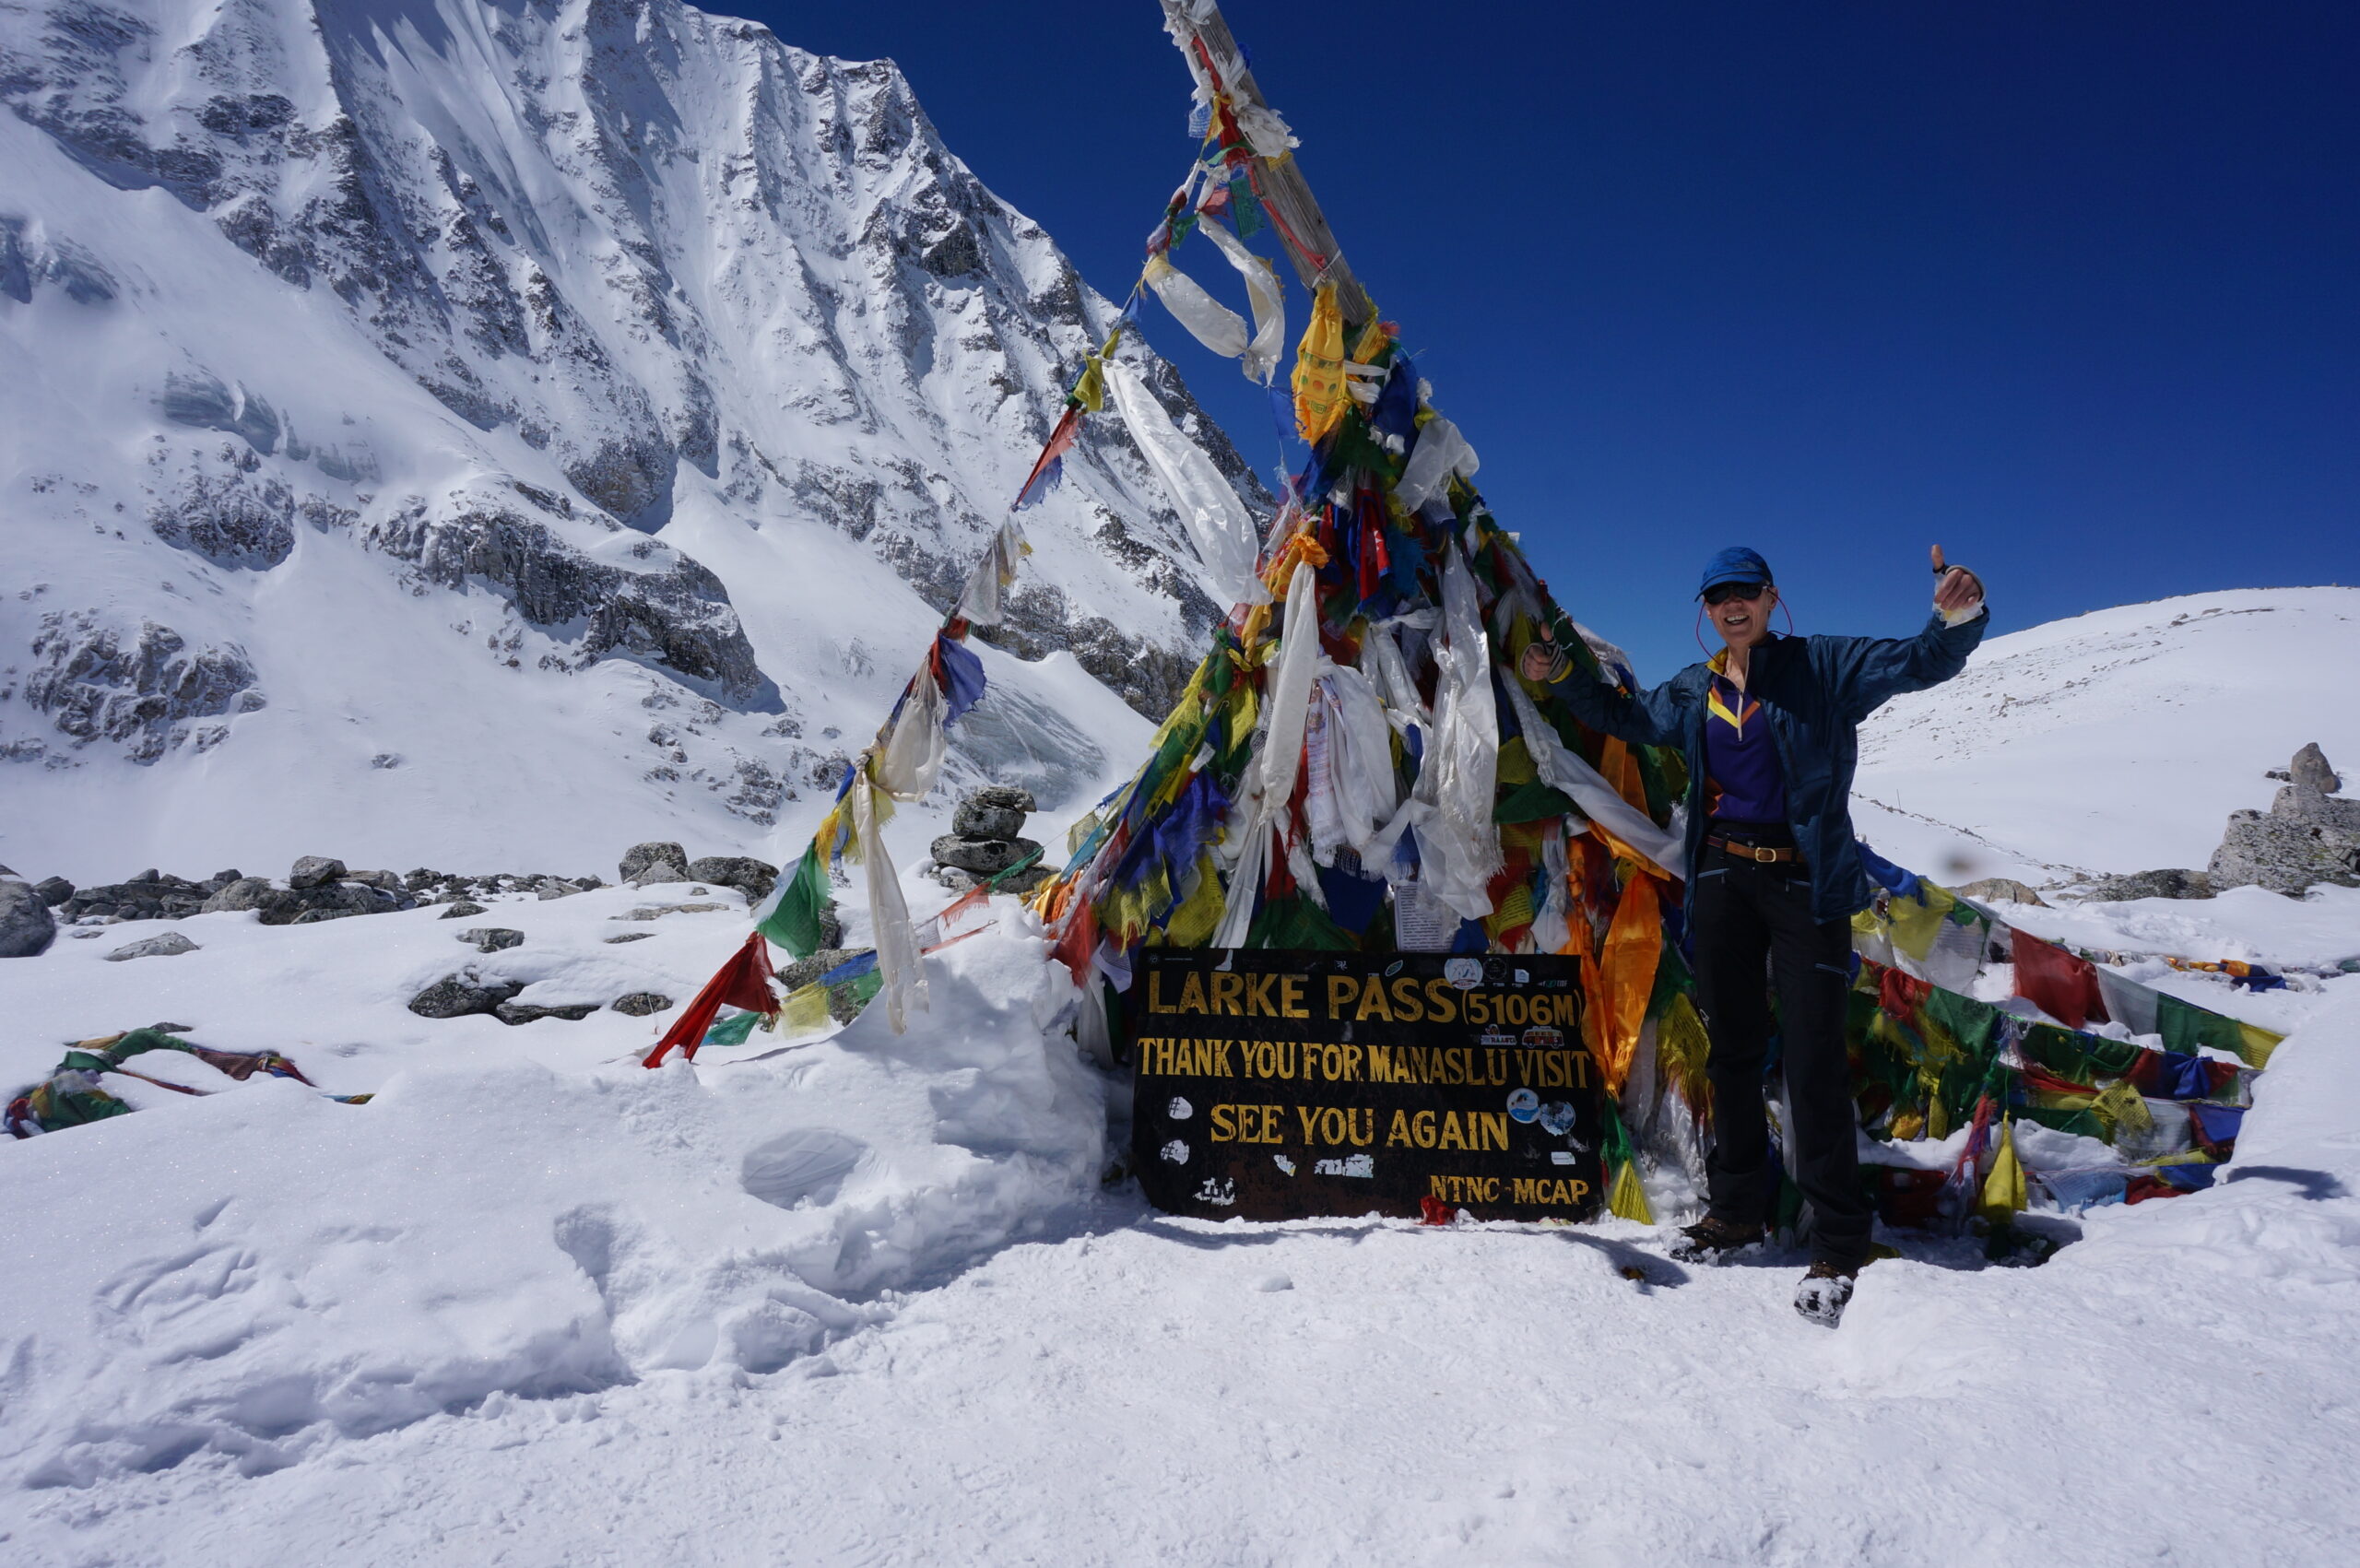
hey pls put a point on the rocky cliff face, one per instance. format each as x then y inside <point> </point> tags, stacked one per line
<point>570,354</point>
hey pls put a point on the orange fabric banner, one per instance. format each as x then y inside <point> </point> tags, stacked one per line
<point>1634,944</point>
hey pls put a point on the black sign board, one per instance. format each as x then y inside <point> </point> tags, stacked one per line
<point>1275,1085</point>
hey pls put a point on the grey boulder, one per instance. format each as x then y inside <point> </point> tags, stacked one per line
<point>165,945</point>
<point>2005,889</point>
<point>2307,836</point>
<point>462,908</point>
<point>977,822</point>
<point>460,995</point>
<point>2310,771</point>
<point>751,877</point>
<point>246,893</point>
<point>54,891</point>
<point>313,870</point>
<point>491,938</point>
<point>654,862</point>
<point>526,1013</point>
<point>331,900</point>
<point>26,926</point>
<point>983,857</point>
<point>1005,797</point>
<point>2173,882</point>
<point>640,1004</point>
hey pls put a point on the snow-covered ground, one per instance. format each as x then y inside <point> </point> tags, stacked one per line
<point>864,1298</point>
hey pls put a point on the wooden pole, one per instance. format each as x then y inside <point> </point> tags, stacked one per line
<point>1201,32</point>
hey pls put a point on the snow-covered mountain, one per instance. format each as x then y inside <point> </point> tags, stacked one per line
<point>499,431</point>
<point>2114,741</point>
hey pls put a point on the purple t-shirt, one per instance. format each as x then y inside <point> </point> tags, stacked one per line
<point>1743,779</point>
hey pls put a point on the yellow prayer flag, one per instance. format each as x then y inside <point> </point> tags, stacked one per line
<point>2004,1189</point>
<point>1319,400</point>
<point>1626,1199</point>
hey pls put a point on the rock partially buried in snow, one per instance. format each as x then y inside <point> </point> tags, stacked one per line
<point>461,910</point>
<point>640,1004</point>
<point>2173,882</point>
<point>654,860</point>
<point>165,945</point>
<point>751,877</point>
<point>526,1012</point>
<point>491,938</point>
<point>26,926</point>
<point>629,936</point>
<point>2006,888</point>
<point>457,995</point>
<point>314,870</point>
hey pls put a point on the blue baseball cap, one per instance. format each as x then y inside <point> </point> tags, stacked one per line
<point>1735,564</point>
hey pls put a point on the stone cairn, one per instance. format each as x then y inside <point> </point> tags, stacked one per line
<point>985,839</point>
<point>2309,834</point>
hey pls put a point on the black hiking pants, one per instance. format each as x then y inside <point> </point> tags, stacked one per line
<point>1748,914</point>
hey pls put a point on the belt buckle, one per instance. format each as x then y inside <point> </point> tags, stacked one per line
<point>1763,856</point>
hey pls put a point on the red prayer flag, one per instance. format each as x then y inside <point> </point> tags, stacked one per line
<point>743,982</point>
<point>2057,983</point>
<point>1060,441</point>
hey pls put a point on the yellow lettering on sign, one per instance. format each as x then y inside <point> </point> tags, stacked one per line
<point>1441,1002</point>
<point>1227,990</point>
<point>1407,1006</point>
<point>1192,993</point>
<point>1374,1004</point>
<point>1290,998</point>
<point>1342,989</point>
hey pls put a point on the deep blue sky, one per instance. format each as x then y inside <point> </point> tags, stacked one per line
<point>2073,290</point>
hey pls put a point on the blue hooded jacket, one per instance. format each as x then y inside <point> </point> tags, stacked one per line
<point>1816,692</point>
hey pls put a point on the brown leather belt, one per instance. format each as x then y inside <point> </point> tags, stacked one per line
<point>1763,854</point>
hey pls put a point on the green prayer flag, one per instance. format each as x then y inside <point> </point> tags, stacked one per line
<point>2185,1026</point>
<point>793,921</point>
<point>732,1031</point>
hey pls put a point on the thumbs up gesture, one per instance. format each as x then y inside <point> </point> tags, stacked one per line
<point>1958,589</point>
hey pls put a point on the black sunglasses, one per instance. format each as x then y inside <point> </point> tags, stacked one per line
<point>1722,593</point>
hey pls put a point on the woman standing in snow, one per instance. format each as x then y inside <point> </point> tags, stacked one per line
<point>1769,728</point>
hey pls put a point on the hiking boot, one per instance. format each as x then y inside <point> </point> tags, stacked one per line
<point>1712,1241</point>
<point>1825,1288</point>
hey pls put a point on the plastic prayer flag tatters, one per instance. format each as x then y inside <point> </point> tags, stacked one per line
<point>1319,397</point>
<point>1219,525</point>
